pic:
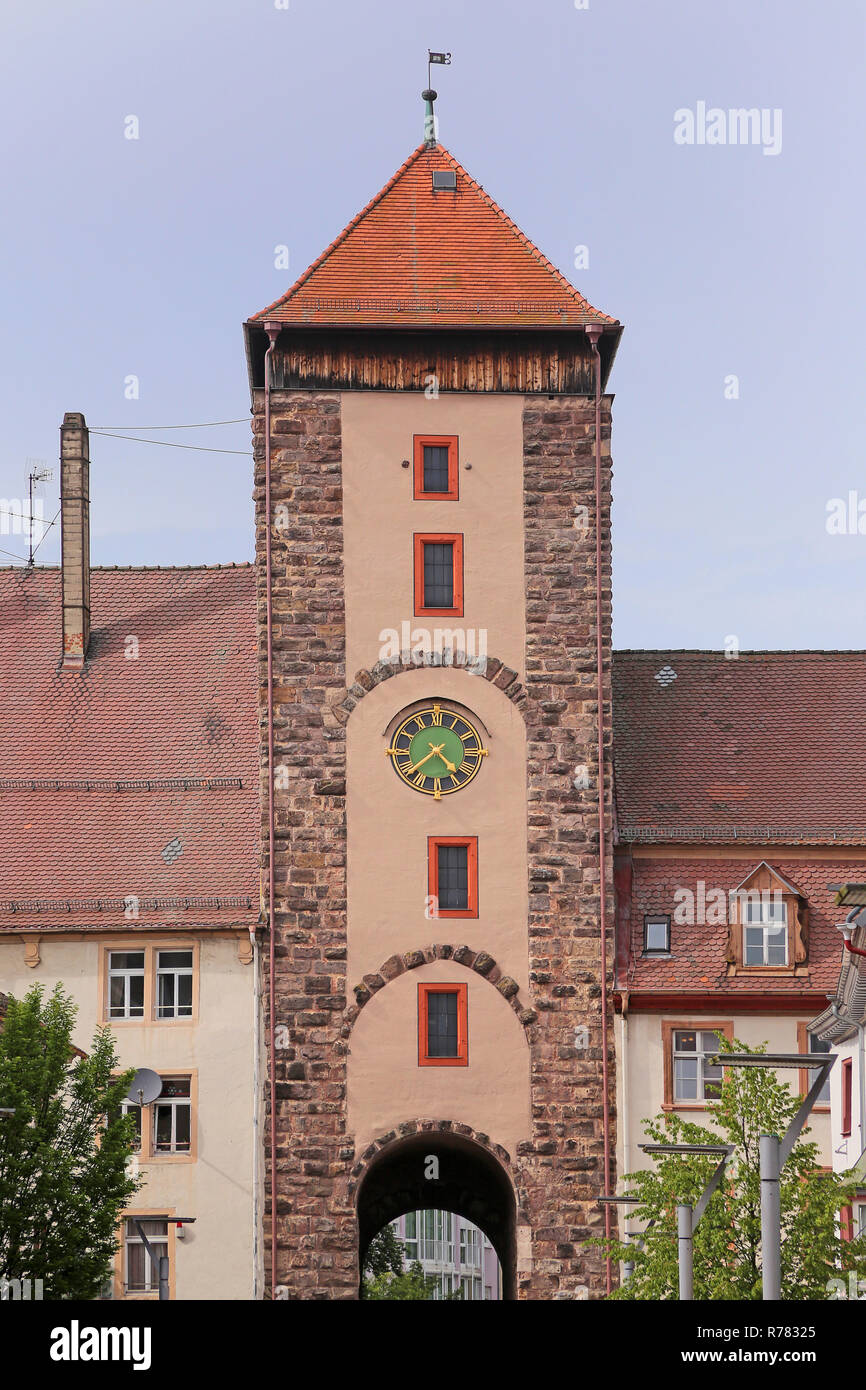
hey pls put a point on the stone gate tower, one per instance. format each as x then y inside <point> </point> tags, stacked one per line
<point>434,611</point>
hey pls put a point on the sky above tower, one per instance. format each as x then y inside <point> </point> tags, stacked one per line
<point>692,169</point>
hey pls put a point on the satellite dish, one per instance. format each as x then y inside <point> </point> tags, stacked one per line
<point>144,1087</point>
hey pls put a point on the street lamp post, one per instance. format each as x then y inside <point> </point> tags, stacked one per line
<point>775,1152</point>
<point>687,1219</point>
<point>160,1262</point>
<point>627,1265</point>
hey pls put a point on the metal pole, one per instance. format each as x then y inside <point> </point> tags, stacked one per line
<point>627,1265</point>
<point>771,1218</point>
<point>159,1262</point>
<point>685,1252</point>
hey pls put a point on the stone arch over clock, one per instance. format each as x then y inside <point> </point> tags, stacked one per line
<point>390,823</point>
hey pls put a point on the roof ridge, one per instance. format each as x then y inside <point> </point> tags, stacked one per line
<point>43,569</point>
<point>656,652</point>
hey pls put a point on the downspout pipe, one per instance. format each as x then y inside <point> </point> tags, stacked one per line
<point>272,331</point>
<point>593,332</point>
<point>847,930</point>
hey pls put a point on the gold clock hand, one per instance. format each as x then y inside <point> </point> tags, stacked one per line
<point>431,754</point>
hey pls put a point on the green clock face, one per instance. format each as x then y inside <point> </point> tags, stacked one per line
<point>436,751</point>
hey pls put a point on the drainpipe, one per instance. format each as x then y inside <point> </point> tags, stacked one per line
<point>626,1146</point>
<point>847,930</point>
<point>272,331</point>
<point>593,332</point>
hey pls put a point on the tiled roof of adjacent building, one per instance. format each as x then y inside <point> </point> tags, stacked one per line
<point>769,747</point>
<point>698,958</point>
<point>132,787</point>
<point>413,256</point>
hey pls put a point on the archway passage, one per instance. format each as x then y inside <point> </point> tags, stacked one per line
<point>435,1169</point>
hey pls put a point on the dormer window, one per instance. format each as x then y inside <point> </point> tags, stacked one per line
<point>765,931</point>
<point>768,924</point>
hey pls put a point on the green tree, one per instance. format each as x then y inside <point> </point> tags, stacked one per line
<point>385,1253</point>
<point>63,1154</point>
<point>413,1285</point>
<point>727,1243</point>
<point>389,1280</point>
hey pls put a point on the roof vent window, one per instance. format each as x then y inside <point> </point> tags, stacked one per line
<point>444,179</point>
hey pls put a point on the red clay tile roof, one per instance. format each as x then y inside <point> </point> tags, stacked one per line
<point>139,777</point>
<point>697,964</point>
<point>412,256</point>
<point>770,747</point>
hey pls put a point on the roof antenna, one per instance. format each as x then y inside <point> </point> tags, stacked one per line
<point>431,123</point>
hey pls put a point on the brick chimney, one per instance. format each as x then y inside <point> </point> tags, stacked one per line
<point>75,539</point>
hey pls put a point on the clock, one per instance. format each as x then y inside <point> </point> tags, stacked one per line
<point>436,751</point>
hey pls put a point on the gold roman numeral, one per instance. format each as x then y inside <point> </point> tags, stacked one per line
<point>437,717</point>
<point>419,780</point>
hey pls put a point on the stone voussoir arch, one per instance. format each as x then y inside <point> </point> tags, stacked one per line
<point>341,701</point>
<point>409,1128</point>
<point>479,961</point>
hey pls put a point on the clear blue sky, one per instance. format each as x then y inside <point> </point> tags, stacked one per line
<point>262,126</point>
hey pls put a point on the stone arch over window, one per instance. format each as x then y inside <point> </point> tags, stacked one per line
<point>341,702</point>
<point>479,961</point>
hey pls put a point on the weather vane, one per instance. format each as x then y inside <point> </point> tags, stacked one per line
<point>429,95</point>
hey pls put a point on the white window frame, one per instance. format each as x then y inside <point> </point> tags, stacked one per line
<point>700,1052</point>
<point>438,1248</point>
<point>410,1238</point>
<point>178,973</point>
<point>174,1103</point>
<point>127,973</point>
<point>765,922</point>
<point>470,1247</point>
<point>159,1246</point>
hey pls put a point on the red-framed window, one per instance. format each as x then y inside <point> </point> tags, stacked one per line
<point>439,575</point>
<point>443,1033</point>
<point>847,1079</point>
<point>452,874</point>
<point>437,477</point>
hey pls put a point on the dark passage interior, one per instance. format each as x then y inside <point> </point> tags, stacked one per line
<point>470,1182</point>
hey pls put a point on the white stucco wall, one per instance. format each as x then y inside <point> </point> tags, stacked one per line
<point>215,1258</point>
<point>640,1075</point>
